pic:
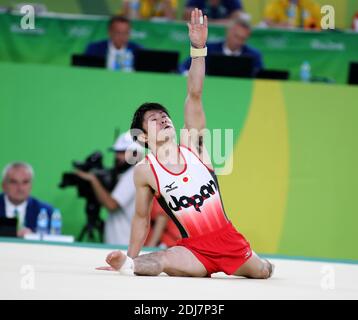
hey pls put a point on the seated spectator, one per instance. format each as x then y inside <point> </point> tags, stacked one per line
<point>163,231</point>
<point>151,9</point>
<point>16,202</point>
<point>119,30</point>
<point>293,14</point>
<point>235,45</point>
<point>219,11</point>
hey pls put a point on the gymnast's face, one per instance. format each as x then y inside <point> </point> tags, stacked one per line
<point>158,126</point>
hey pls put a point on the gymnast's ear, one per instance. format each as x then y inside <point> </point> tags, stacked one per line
<point>142,138</point>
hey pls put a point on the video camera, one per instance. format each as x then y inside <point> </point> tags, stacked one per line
<point>107,177</point>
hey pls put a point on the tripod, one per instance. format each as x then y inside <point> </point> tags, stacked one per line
<point>94,223</point>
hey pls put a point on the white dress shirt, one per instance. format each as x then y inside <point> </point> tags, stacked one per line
<point>113,52</point>
<point>229,52</point>
<point>10,210</point>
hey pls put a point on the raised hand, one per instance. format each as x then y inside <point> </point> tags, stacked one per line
<point>198,29</point>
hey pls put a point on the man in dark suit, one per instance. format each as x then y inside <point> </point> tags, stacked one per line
<point>16,201</point>
<point>237,35</point>
<point>119,29</point>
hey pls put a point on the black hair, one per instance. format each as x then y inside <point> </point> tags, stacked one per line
<point>115,19</point>
<point>138,117</point>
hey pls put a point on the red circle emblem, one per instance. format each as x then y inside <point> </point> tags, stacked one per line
<point>185,179</point>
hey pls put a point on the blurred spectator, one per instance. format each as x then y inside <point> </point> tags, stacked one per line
<point>355,22</point>
<point>147,9</point>
<point>16,201</point>
<point>293,14</point>
<point>220,11</point>
<point>118,44</point>
<point>163,231</point>
<point>120,202</point>
<point>237,35</point>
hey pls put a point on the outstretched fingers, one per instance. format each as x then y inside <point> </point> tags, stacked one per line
<point>198,14</point>
<point>197,17</point>
<point>192,19</point>
<point>106,268</point>
<point>205,21</point>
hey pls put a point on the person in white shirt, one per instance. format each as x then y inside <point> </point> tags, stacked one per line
<point>235,44</point>
<point>16,202</point>
<point>120,202</point>
<point>117,47</point>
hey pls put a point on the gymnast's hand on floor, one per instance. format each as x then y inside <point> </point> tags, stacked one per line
<point>115,260</point>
